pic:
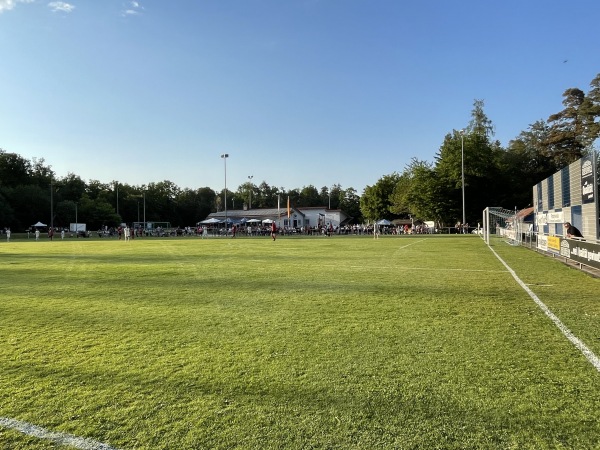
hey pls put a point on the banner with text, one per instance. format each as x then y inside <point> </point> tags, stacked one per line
<point>588,184</point>
<point>583,252</point>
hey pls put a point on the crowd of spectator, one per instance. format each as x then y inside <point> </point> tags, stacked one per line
<point>249,230</point>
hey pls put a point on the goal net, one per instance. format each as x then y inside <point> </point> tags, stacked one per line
<point>503,223</point>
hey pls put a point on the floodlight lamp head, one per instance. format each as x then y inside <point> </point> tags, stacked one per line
<point>225,155</point>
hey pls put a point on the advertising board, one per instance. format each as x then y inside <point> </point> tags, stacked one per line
<point>75,227</point>
<point>583,252</point>
<point>588,185</point>
<point>542,242</point>
<point>554,243</point>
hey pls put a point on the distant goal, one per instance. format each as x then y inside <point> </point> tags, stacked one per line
<point>502,223</point>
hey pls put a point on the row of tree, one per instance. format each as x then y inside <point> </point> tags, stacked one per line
<point>493,176</point>
<point>30,191</point>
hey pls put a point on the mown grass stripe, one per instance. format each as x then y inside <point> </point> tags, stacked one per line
<point>591,356</point>
<point>58,438</point>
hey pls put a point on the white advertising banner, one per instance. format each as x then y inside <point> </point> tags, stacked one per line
<point>542,242</point>
<point>541,219</point>
<point>555,217</point>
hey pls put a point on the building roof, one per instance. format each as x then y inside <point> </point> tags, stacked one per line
<point>259,213</point>
<point>525,212</point>
<point>526,215</point>
<point>315,208</point>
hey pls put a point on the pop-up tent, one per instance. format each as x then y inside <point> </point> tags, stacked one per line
<point>39,224</point>
<point>210,221</point>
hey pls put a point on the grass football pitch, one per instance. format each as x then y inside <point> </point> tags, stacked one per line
<point>412,342</point>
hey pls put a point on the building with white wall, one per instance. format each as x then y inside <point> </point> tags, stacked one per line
<point>299,217</point>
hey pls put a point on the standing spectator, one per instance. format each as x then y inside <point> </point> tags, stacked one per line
<point>8,235</point>
<point>37,234</point>
<point>62,233</point>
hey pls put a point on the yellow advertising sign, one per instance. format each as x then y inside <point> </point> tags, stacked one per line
<point>554,243</point>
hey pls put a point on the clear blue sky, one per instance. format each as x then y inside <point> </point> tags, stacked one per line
<point>297,92</point>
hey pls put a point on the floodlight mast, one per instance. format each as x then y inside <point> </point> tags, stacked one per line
<point>250,191</point>
<point>225,156</point>
<point>462,159</point>
<point>51,203</point>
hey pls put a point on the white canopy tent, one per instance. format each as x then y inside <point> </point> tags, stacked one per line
<point>210,221</point>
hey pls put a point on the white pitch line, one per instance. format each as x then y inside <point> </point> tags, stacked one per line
<point>591,357</point>
<point>58,438</point>
<point>423,269</point>
<point>412,243</point>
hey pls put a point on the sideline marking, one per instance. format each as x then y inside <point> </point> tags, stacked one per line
<point>591,357</point>
<point>58,438</point>
<point>424,269</point>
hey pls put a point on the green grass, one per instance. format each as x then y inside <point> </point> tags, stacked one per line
<point>348,342</point>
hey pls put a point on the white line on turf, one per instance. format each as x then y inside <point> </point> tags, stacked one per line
<point>412,243</point>
<point>424,269</point>
<point>58,438</point>
<point>591,357</point>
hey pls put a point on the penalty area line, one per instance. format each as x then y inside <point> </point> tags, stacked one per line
<point>58,438</point>
<point>591,357</point>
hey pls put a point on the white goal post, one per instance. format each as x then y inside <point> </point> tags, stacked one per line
<point>503,223</point>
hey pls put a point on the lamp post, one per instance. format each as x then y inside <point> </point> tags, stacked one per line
<point>250,189</point>
<point>462,158</point>
<point>225,156</point>
<point>51,204</point>
<point>51,229</point>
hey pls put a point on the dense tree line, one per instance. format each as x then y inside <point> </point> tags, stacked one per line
<point>31,192</point>
<point>493,175</point>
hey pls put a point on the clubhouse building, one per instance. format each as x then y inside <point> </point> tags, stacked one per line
<point>309,217</point>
